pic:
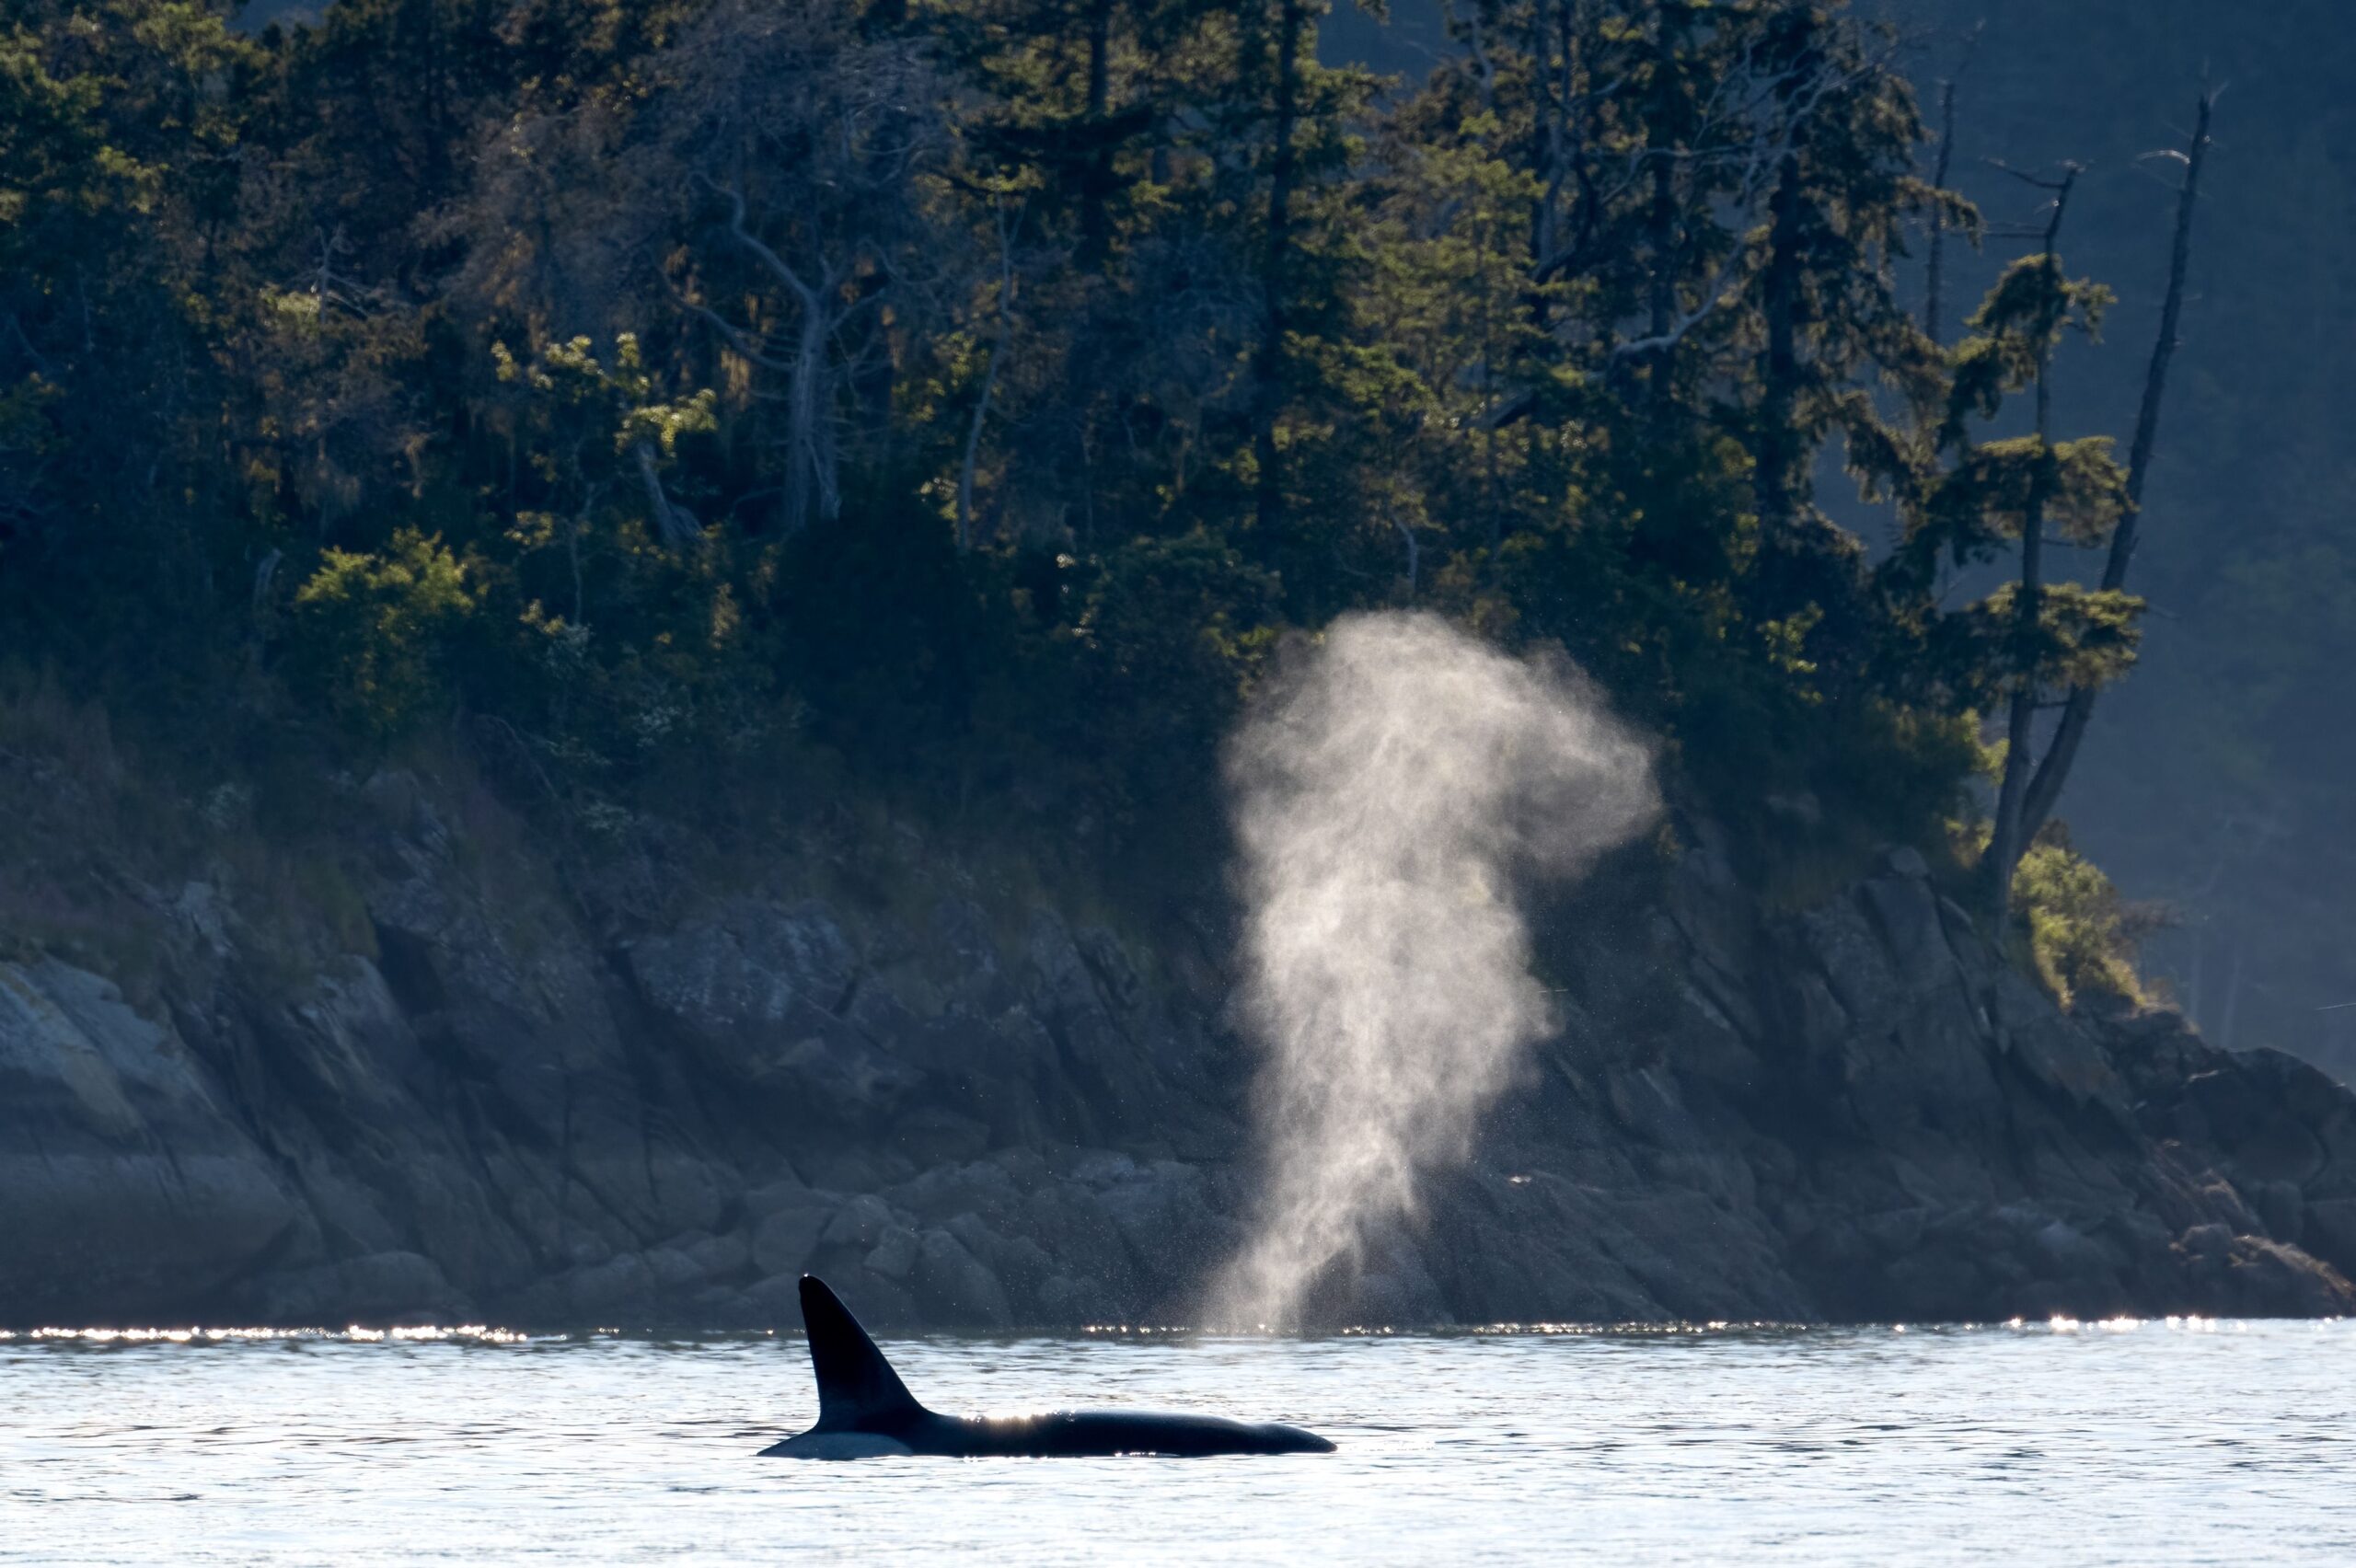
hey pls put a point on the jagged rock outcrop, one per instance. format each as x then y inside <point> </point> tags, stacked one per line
<point>125,1179</point>
<point>969,1109</point>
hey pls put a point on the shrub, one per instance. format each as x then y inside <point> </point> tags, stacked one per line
<point>374,629</point>
<point>2081,935</point>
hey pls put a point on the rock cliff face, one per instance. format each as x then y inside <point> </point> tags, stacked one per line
<point>969,1109</point>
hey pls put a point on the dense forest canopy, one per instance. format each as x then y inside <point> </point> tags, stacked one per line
<point>965,397</point>
<point>2215,782</point>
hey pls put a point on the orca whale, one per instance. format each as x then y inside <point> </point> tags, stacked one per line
<point>865,1413</point>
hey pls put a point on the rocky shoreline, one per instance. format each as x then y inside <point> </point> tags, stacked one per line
<point>972,1109</point>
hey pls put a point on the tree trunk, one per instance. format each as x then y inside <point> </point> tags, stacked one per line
<point>1292,19</point>
<point>2045,793</point>
<point>1096,189</point>
<point>2007,840</point>
<point>1661,234</point>
<point>810,491</point>
<point>1553,92</point>
<point>1777,457</point>
<point>989,387</point>
<point>673,524</point>
<point>1936,279</point>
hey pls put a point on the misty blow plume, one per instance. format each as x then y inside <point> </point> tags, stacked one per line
<point>1391,792</point>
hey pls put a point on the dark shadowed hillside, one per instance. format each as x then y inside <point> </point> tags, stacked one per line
<point>617,624</point>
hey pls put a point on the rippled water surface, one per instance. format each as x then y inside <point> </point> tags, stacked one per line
<point>2144,1443</point>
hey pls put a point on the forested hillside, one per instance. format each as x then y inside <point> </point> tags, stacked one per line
<point>617,622</point>
<point>2212,785</point>
<point>681,409</point>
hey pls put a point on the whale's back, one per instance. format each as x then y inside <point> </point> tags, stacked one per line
<point>1085,1433</point>
<point>865,1412</point>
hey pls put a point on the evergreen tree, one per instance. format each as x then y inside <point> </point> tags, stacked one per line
<point>973,392</point>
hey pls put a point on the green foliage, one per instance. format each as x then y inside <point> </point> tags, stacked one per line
<point>117,165</point>
<point>376,631</point>
<point>1965,503</point>
<point>1978,507</point>
<point>2081,937</point>
<point>891,637</point>
<point>969,396</point>
<point>1172,635</point>
<point>2025,314</point>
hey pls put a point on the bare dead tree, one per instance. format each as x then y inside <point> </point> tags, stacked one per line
<point>2045,792</point>
<point>1934,281</point>
<point>1935,268</point>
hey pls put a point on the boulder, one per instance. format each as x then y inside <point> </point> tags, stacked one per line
<point>128,1189</point>
<point>758,991</point>
<point>954,1288</point>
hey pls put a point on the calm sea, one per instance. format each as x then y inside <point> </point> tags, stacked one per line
<point>2051,1442</point>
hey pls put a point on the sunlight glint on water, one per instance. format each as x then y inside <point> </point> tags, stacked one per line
<point>2119,1441</point>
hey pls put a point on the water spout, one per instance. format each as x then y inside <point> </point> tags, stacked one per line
<point>1391,790</point>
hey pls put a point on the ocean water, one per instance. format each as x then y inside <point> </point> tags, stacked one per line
<point>2150,1442</point>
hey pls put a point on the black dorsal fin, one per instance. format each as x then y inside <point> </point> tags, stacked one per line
<point>857,1388</point>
